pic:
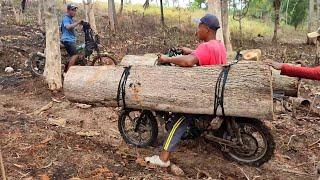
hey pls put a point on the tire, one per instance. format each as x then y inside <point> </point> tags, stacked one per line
<point>107,60</point>
<point>268,140</point>
<point>147,119</point>
<point>35,64</point>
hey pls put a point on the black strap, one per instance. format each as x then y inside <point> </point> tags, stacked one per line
<point>122,87</point>
<point>220,87</point>
<point>219,90</point>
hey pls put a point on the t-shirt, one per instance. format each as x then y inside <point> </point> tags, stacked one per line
<point>67,35</point>
<point>211,53</point>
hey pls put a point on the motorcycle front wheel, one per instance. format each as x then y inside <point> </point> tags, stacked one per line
<point>138,127</point>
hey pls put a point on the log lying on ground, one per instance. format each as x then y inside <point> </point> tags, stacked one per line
<point>188,90</point>
<point>289,86</point>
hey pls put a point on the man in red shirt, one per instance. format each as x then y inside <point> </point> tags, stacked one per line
<point>211,52</point>
<point>300,72</point>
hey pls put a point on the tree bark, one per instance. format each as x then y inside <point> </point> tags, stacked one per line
<point>52,71</point>
<point>318,13</point>
<point>317,60</point>
<point>214,7</point>
<point>112,14</point>
<point>248,91</point>
<point>281,84</point>
<point>89,11</point>
<point>23,5</point>
<point>121,7</point>
<point>225,25</point>
<point>162,14</point>
<point>276,5</point>
<point>40,14</point>
<point>311,14</point>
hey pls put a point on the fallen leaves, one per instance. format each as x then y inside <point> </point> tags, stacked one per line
<point>176,170</point>
<point>88,133</point>
<point>83,106</point>
<point>57,122</point>
<point>141,162</point>
<point>44,108</point>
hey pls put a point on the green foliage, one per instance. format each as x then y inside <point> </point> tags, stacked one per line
<point>297,11</point>
<point>260,8</point>
<point>196,4</point>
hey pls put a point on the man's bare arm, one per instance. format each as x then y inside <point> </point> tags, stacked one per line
<point>183,61</point>
<point>73,25</point>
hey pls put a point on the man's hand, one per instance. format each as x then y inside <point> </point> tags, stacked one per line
<point>274,64</point>
<point>163,59</point>
<point>186,51</point>
<point>80,22</point>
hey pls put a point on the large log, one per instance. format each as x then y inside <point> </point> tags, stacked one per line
<point>289,86</point>
<point>188,90</point>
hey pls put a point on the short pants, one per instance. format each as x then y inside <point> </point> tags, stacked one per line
<point>70,47</point>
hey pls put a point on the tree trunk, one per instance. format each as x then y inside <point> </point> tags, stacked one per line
<point>318,13</point>
<point>162,14</point>
<point>287,85</point>
<point>112,14</point>
<point>225,25</point>
<point>52,71</point>
<point>18,15</point>
<point>248,91</point>
<point>40,14</point>
<point>317,60</point>
<point>89,11</point>
<point>214,7</point>
<point>86,10</point>
<point>121,7</point>
<point>23,5</point>
<point>311,14</point>
<point>276,6</point>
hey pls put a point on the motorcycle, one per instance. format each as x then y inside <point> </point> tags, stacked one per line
<point>240,139</point>
<point>89,54</point>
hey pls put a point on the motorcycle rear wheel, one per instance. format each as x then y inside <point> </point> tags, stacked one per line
<point>258,143</point>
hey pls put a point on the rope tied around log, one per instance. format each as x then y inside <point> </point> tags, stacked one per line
<point>122,87</point>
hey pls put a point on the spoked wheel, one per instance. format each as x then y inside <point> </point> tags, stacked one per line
<point>138,127</point>
<point>258,144</point>
<point>103,60</point>
<point>36,64</point>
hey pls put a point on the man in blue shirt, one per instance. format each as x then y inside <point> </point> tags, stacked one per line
<point>68,35</point>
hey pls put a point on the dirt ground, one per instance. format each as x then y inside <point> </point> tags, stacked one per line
<point>89,145</point>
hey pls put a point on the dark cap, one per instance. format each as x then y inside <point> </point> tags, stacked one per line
<point>211,21</point>
<point>71,7</point>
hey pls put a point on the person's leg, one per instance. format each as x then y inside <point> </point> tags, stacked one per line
<point>173,138</point>
<point>72,51</point>
<point>72,62</point>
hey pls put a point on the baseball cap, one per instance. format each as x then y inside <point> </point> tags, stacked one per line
<point>314,34</point>
<point>210,20</point>
<point>71,7</point>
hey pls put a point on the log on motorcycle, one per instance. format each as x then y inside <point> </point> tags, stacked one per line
<point>186,90</point>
